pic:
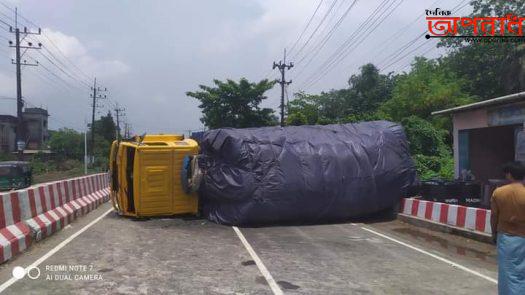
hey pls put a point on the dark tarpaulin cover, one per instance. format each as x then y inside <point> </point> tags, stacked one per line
<point>303,174</point>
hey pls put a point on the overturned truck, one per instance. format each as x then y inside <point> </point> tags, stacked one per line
<point>303,174</point>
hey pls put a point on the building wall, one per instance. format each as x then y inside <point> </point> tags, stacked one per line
<point>490,148</point>
<point>7,137</point>
<point>465,121</point>
<point>36,129</point>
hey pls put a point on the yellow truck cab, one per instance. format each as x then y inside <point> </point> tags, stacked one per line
<point>146,178</point>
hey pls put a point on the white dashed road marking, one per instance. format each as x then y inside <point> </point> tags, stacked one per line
<point>264,271</point>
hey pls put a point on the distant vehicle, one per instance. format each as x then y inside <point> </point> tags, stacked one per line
<point>15,175</point>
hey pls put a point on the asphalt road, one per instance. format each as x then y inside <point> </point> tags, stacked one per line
<point>116,255</point>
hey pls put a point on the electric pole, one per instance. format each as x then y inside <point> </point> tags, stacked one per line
<point>118,113</point>
<point>127,133</point>
<point>20,132</point>
<point>282,66</point>
<point>94,105</point>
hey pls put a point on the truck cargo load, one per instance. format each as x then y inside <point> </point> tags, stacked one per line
<point>303,174</point>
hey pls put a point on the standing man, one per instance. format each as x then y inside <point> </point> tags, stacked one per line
<point>508,229</point>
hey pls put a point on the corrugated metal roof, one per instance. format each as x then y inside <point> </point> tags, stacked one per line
<point>516,97</point>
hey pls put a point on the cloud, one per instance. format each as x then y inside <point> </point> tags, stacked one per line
<point>275,21</point>
<point>77,52</point>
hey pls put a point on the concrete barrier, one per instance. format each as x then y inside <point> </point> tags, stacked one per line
<point>468,218</point>
<point>51,209</point>
<point>36,212</point>
<point>14,233</point>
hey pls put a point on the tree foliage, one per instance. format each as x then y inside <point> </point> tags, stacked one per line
<point>368,90</point>
<point>234,104</point>
<point>365,93</point>
<point>106,127</point>
<point>431,154</point>
<point>426,88</point>
<point>490,69</point>
<point>67,144</point>
<point>424,138</point>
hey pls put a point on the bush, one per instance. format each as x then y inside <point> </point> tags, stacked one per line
<point>296,119</point>
<point>68,165</point>
<point>424,138</point>
<point>40,166</point>
<point>429,167</point>
<point>7,157</point>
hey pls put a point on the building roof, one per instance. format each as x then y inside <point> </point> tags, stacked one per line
<point>36,111</point>
<point>511,98</point>
<point>8,118</point>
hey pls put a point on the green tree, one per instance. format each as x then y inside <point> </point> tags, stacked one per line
<point>366,117</point>
<point>67,144</point>
<point>368,90</point>
<point>305,106</point>
<point>428,87</point>
<point>490,69</point>
<point>106,127</point>
<point>365,93</point>
<point>296,119</point>
<point>234,104</point>
<point>424,138</point>
<point>432,156</point>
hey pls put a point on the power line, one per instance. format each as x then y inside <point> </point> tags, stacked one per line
<point>401,58</point>
<point>61,86</point>
<point>412,42</point>
<point>424,53</point>
<point>398,52</point>
<point>325,39</point>
<point>63,71</point>
<point>370,29</point>
<point>306,27</point>
<point>397,34</point>
<point>72,86</point>
<point>330,33</point>
<point>340,50</point>
<point>348,48</point>
<point>53,44</point>
<point>316,29</point>
<point>77,77</point>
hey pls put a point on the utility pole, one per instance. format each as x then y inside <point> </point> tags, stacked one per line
<point>126,130</point>
<point>118,113</point>
<point>20,132</point>
<point>85,151</point>
<point>94,105</point>
<point>282,66</point>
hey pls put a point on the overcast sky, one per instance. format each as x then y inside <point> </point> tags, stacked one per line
<point>149,53</point>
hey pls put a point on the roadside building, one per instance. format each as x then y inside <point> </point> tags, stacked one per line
<point>36,130</point>
<point>35,124</point>
<point>488,134</point>
<point>7,133</point>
